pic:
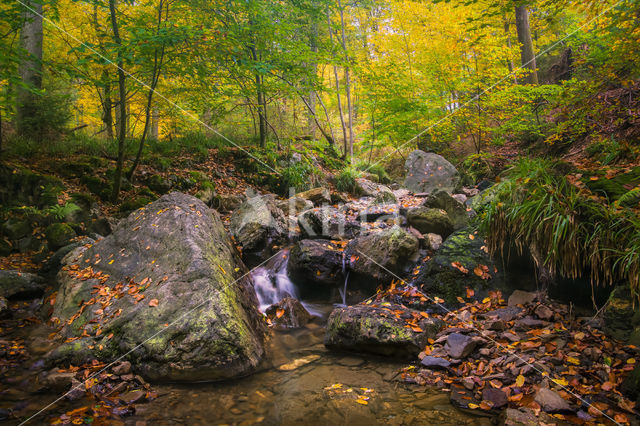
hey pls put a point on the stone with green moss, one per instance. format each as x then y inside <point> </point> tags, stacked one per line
<point>15,228</point>
<point>175,252</point>
<point>380,256</point>
<point>456,211</point>
<point>373,330</point>
<point>5,247</point>
<point>59,235</point>
<point>20,186</point>
<point>620,318</point>
<point>430,221</point>
<point>134,204</point>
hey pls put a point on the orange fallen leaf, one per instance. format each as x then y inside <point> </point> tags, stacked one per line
<point>153,302</point>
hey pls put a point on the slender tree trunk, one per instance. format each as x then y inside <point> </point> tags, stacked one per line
<point>527,54</point>
<point>335,74</point>
<point>107,106</point>
<point>347,82</point>
<point>158,56</point>
<point>30,69</point>
<point>155,124</point>
<point>507,30</point>
<point>313,70</point>
<point>121,103</point>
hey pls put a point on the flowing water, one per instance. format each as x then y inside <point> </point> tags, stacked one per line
<point>299,382</point>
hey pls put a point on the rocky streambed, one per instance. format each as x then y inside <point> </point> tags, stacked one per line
<point>387,308</point>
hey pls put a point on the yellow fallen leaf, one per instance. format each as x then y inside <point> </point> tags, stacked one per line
<point>561,382</point>
<point>631,361</point>
<point>520,381</point>
<point>473,406</point>
<point>572,360</point>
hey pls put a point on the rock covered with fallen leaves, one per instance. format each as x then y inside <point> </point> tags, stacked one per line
<point>168,291</point>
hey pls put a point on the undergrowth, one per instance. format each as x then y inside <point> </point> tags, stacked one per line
<point>537,207</point>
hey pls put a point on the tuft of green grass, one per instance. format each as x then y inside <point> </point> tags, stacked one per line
<point>376,169</point>
<point>346,180</point>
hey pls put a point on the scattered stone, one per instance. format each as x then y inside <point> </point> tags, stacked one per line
<point>520,297</point>
<point>496,397</point>
<point>434,241</point>
<point>76,390</point>
<point>551,402</point>
<point>300,362</point>
<point>327,223</point>
<point>434,362</point>
<point>258,224</point>
<point>315,261</point>
<point>459,345</point>
<point>59,235</point>
<point>59,381</point>
<point>317,196</point>
<point>456,211</point>
<point>543,312</point>
<point>132,397</point>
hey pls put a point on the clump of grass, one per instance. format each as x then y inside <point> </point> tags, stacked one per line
<point>537,207</point>
<point>346,180</point>
<point>376,169</point>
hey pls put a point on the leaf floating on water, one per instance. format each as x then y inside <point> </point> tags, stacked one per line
<point>297,363</point>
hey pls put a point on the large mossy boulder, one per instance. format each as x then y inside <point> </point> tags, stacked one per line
<point>22,187</point>
<point>430,221</point>
<point>168,291</point>
<point>427,172</point>
<point>456,211</point>
<point>315,262</point>
<point>391,330</point>
<point>380,256</point>
<point>461,262</point>
<point>59,235</point>
<point>258,224</point>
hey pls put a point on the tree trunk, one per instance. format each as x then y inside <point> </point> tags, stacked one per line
<point>30,69</point>
<point>313,70</point>
<point>527,55</point>
<point>335,74</point>
<point>347,82</point>
<point>507,30</point>
<point>158,56</point>
<point>107,106</point>
<point>122,124</point>
<point>155,124</point>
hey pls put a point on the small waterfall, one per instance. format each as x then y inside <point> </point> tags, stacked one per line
<point>272,284</point>
<point>343,292</point>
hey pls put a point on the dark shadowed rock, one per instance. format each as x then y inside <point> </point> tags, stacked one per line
<point>184,305</point>
<point>496,397</point>
<point>376,330</point>
<point>15,284</point>
<point>520,297</point>
<point>315,261</point>
<point>428,172</point>
<point>288,313</point>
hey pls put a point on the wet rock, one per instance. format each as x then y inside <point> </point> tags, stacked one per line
<point>428,220</point>
<point>132,397</point>
<point>16,284</point>
<point>524,417</point>
<point>428,172</point>
<point>551,402</point>
<point>317,196</point>
<point>327,223</point>
<point>381,255</point>
<point>315,261</point>
<point>496,397</point>
<point>76,390</point>
<point>288,313</point>
<point>434,362</point>
<point>59,381</point>
<point>456,211</point>
<point>299,362</point>
<point>461,397</point>
<point>258,223</point>
<point>59,235</point>
<point>631,385</point>
<point>375,330</point>
<point>178,252</point>
<point>459,346</point>
<point>520,297</point>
